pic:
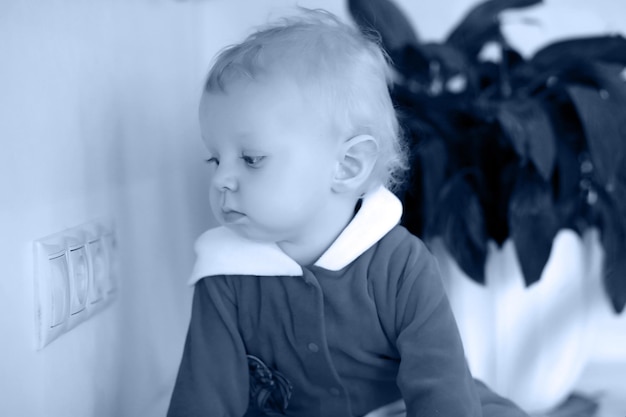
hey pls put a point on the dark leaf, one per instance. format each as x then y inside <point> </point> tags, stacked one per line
<point>567,172</point>
<point>387,19</point>
<point>513,73</point>
<point>418,191</point>
<point>612,208</point>
<point>615,280</point>
<point>448,117</point>
<point>603,117</point>
<point>481,25</point>
<point>564,53</point>
<point>462,227</point>
<point>528,127</point>
<point>433,157</point>
<point>449,66</point>
<point>451,59</point>
<point>414,65</point>
<point>498,193</point>
<point>613,230</point>
<point>429,69</point>
<point>533,223</point>
<point>599,75</point>
<point>569,198</point>
<point>570,144</point>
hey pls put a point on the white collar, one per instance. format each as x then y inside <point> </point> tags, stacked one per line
<point>221,251</point>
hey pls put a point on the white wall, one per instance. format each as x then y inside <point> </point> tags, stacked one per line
<point>97,110</point>
<point>98,119</point>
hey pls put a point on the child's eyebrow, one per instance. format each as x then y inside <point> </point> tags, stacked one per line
<point>251,140</point>
<point>246,137</point>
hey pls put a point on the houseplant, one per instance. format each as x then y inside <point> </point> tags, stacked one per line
<point>523,147</point>
<point>511,154</point>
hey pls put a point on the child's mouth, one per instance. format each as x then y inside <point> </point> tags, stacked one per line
<point>232,216</point>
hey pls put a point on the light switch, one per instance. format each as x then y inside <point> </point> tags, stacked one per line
<point>100,270</point>
<point>109,242</point>
<point>72,270</point>
<point>79,279</point>
<point>58,286</point>
<point>52,288</point>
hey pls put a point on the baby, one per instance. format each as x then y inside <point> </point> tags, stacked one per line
<point>310,299</point>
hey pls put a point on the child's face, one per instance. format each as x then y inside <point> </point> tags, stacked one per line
<point>272,160</point>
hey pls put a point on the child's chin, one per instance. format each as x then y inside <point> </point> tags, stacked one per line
<point>249,233</point>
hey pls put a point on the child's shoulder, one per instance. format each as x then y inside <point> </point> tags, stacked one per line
<point>399,243</point>
<point>402,256</point>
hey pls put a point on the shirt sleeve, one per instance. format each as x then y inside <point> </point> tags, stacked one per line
<point>213,374</point>
<point>434,378</point>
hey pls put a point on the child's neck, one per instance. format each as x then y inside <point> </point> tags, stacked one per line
<point>319,239</point>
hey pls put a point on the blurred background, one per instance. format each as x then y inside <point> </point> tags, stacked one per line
<point>98,121</point>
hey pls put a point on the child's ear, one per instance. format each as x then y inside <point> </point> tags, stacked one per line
<point>355,164</point>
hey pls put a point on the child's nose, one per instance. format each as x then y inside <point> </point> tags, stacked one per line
<point>225,178</point>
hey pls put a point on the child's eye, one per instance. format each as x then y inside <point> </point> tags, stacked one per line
<point>212,161</point>
<point>253,161</point>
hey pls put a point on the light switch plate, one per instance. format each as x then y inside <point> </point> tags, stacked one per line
<point>52,288</point>
<point>79,278</point>
<point>99,270</point>
<point>73,278</point>
<point>58,290</point>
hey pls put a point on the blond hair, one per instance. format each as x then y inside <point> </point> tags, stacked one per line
<point>346,69</point>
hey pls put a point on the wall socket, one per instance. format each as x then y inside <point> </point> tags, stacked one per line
<point>74,278</point>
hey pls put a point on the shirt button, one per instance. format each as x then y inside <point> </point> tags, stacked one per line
<point>313,347</point>
<point>335,392</point>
